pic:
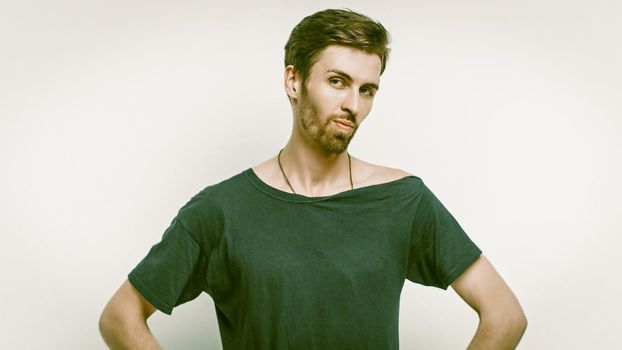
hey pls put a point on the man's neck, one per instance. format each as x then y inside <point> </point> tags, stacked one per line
<point>314,172</point>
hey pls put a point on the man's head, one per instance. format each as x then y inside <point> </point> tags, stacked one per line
<point>334,60</point>
<point>334,27</point>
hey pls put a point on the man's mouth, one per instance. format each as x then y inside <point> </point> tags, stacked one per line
<point>343,123</point>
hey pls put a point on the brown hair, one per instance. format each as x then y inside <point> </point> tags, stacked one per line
<point>334,27</point>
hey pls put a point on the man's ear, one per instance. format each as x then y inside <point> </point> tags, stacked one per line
<point>292,82</point>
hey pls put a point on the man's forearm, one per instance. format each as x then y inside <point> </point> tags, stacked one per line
<point>498,333</point>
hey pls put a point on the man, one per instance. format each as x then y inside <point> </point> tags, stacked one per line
<point>310,249</point>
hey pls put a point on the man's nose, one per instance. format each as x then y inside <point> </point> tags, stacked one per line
<point>351,103</point>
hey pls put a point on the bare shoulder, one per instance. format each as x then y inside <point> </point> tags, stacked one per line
<point>264,168</point>
<point>373,174</point>
<point>266,171</point>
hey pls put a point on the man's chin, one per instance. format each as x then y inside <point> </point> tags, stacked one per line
<point>336,145</point>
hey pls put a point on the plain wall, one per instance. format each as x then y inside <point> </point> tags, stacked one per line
<point>114,113</point>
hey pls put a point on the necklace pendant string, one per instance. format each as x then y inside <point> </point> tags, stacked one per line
<point>283,172</point>
<point>290,185</point>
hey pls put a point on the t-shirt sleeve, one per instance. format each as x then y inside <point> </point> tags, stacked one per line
<point>175,269</point>
<point>440,250</point>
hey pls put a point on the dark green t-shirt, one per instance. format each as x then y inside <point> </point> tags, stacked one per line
<point>287,271</point>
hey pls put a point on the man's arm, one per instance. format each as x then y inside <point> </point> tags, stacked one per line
<point>123,323</point>
<point>502,321</point>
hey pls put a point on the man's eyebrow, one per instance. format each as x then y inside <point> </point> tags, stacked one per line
<point>349,78</point>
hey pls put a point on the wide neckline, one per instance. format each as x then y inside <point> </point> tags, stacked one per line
<point>295,197</point>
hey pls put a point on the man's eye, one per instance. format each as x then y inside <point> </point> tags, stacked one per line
<point>368,92</point>
<point>336,82</point>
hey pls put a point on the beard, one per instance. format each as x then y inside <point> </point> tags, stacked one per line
<point>330,140</point>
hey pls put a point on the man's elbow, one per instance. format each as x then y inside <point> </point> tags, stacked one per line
<point>519,322</point>
<point>107,324</point>
<point>115,322</point>
<point>516,317</point>
<point>511,323</point>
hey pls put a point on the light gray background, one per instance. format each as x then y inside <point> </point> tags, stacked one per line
<point>114,113</point>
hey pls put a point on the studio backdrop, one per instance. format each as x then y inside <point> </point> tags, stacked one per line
<point>114,113</point>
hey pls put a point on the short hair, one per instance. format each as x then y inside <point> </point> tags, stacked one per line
<point>334,27</point>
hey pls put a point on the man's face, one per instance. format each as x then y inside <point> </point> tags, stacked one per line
<point>337,96</point>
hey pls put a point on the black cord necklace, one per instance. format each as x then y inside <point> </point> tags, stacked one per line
<point>290,185</point>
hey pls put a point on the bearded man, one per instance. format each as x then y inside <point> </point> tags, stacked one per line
<point>310,249</point>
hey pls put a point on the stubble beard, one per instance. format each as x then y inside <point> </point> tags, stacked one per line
<point>330,141</point>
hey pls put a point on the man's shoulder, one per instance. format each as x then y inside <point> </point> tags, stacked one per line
<point>268,173</point>
<point>222,189</point>
<point>372,174</point>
